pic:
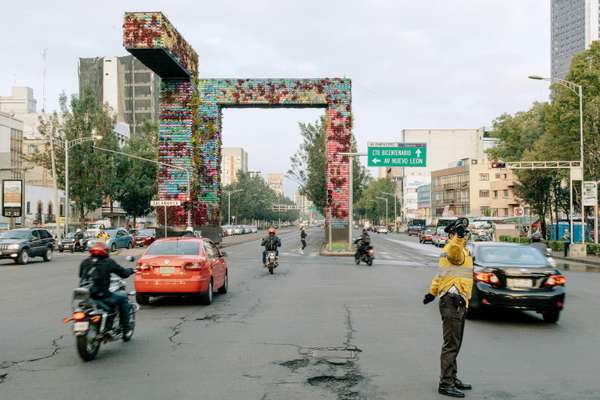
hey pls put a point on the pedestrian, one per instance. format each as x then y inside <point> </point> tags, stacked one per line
<point>566,242</point>
<point>453,285</point>
<point>303,236</point>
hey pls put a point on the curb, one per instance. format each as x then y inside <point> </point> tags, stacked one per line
<point>591,265</point>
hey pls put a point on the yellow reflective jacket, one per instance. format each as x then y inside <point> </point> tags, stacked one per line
<point>459,276</point>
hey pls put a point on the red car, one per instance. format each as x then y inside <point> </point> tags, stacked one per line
<point>144,238</point>
<point>182,266</point>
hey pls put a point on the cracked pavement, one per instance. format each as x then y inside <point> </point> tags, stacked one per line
<point>320,328</point>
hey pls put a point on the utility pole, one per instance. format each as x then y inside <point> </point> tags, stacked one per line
<point>55,183</point>
<point>229,193</point>
<point>395,212</point>
<point>386,209</point>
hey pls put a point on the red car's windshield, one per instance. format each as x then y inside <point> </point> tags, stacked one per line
<point>174,248</point>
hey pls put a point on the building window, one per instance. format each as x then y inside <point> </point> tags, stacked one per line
<point>50,209</point>
<point>40,208</point>
<point>485,211</point>
<point>484,193</point>
<point>28,208</point>
<point>506,212</point>
<point>505,193</point>
<point>32,148</point>
<point>484,177</point>
<point>495,194</point>
<point>62,210</point>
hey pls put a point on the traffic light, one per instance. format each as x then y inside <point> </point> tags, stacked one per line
<point>498,164</point>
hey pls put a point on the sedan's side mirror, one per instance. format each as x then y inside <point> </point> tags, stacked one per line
<point>548,252</point>
<point>223,253</point>
<point>130,258</point>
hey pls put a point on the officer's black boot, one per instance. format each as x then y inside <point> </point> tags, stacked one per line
<point>461,385</point>
<point>450,390</point>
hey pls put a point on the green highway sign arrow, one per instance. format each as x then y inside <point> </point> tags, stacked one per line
<point>393,154</point>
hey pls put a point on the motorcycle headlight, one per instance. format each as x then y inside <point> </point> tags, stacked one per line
<point>13,246</point>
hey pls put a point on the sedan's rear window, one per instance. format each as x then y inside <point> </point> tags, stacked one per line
<point>174,248</point>
<point>510,255</point>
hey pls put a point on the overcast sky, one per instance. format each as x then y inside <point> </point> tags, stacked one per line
<point>413,64</point>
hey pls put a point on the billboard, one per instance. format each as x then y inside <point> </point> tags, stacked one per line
<point>12,198</point>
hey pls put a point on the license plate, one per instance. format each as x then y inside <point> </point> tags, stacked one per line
<point>520,283</point>
<point>81,326</point>
<point>166,270</point>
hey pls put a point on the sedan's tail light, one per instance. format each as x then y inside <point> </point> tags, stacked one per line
<point>143,267</point>
<point>193,266</point>
<point>555,280</point>
<point>487,277</point>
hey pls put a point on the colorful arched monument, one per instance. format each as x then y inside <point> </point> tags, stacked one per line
<point>190,121</point>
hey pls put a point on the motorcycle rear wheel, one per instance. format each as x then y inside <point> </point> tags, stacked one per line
<point>128,335</point>
<point>87,345</point>
<point>370,262</point>
<point>271,270</point>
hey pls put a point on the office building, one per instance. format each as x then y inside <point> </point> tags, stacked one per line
<point>11,147</point>
<point>473,188</point>
<point>424,202</point>
<point>233,160</point>
<point>131,89</point>
<point>492,191</point>
<point>275,182</point>
<point>574,26</point>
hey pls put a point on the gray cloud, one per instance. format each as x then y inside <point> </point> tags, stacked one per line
<point>434,63</point>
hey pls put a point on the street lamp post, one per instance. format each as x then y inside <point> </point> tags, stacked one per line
<point>395,202</point>
<point>187,172</point>
<point>68,144</point>
<point>229,193</point>
<point>386,209</point>
<point>578,90</point>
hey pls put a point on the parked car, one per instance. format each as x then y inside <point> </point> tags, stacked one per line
<point>439,238</point>
<point>253,229</point>
<point>513,276</point>
<point>382,229</point>
<point>183,266</point>
<point>238,230</point>
<point>227,230</point>
<point>144,237</point>
<point>426,236</point>
<point>118,238</point>
<point>22,244</point>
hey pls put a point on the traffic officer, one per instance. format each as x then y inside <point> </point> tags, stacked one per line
<point>453,285</point>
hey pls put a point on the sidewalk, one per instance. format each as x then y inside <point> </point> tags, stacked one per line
<point>592,262</point>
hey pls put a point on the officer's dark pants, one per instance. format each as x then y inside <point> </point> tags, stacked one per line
<point>453,310</point>
<point>303,241</point>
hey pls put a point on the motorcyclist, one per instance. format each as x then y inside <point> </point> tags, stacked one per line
<point>362,243</point>
<point>95,272</point>
<point>303,238</point>
<point>78,237</point>
<point>270,243</point>
<point>536,242</point>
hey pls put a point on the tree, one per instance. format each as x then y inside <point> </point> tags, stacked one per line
<point>309,164</point>
<point>369,206</point>
<point>255,200</point>
<point>136,182</point>
<point>91,174</point>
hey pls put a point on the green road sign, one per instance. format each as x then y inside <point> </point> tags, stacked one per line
<point>391,154</point>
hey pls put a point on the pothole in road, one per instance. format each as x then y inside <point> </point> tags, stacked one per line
<point>3,377</point>
<point>295,364</point>
<point>341,385</point>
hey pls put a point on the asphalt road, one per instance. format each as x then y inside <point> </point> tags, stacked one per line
<point>320,328</point>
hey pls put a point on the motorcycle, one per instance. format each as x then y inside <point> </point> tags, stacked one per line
<point>367,256</point>
<point>272,261</point>
<point>95,322</point>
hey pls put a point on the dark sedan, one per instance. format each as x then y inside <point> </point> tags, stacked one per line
<point>513,276</point>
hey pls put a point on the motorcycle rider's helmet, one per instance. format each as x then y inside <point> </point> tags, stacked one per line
<point>99,249</point>
<point>272,231</point>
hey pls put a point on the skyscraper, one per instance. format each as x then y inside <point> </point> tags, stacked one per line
<point>575,25</point>
<point>129,87</point>
<point>275,182</point>
<point>233,160</point>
